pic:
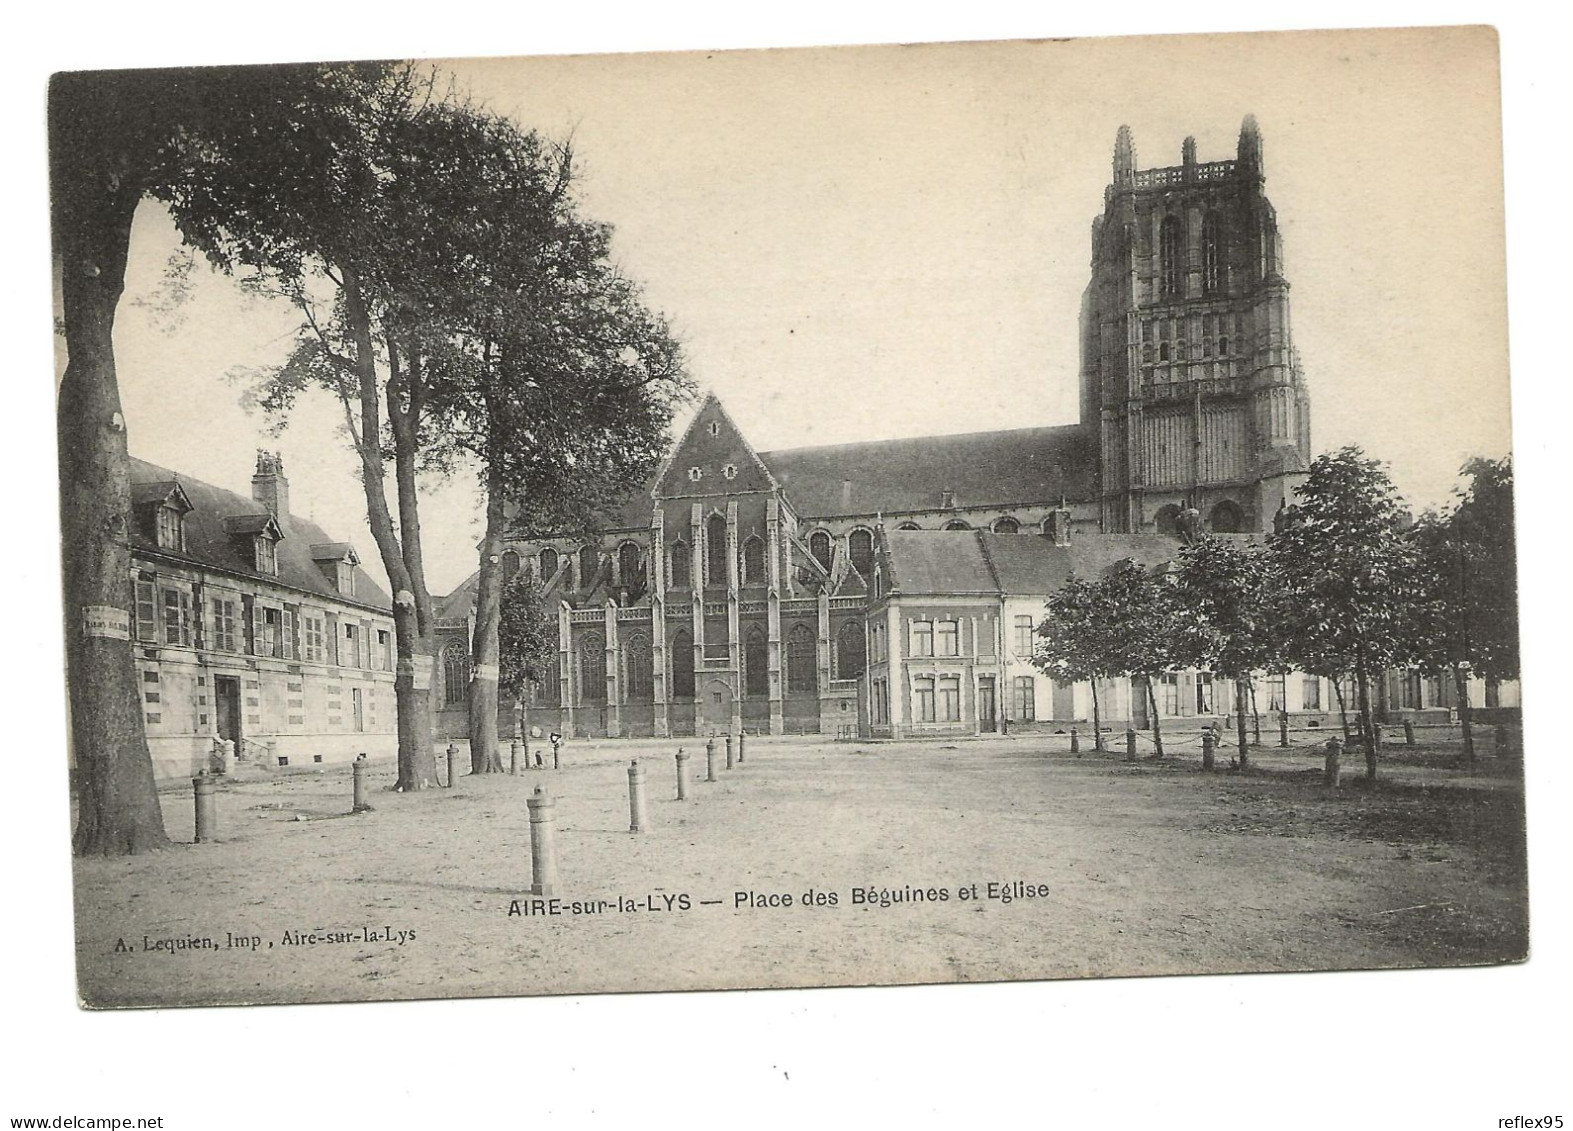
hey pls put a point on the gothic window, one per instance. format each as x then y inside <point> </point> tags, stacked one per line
<point>851,651</point>
<point>1212,253</point>
<point>909,526</point>
<point>860,546</point>
<point>589,565</point>
<point>682,564</point>
<point>802,663</point>
<point>1006,526</point>
<point>754,560</point>
<point>638,671</point>
<point>592,668</point>
<point>756,665</point>
<point>819,546</point>
<point>455,673</point>
<point>715,550</point>
<point>628,571</point>
<point>957,524</point>
<point>1171,245</point>
<point>683,664</point>
<point>1226,518</point>
<point>510,566</point>
<point>548,564</point>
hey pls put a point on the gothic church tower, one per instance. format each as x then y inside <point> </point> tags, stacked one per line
<point>1189,376</point>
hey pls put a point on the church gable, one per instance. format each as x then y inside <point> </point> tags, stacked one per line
<point>713,458</point>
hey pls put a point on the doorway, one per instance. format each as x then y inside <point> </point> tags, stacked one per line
<point>716,701</point>
<point>226,708</point>
<point>358,708</point>
<point>986,716</point>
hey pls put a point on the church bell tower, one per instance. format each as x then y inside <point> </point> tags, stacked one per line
<point>1189,376</point>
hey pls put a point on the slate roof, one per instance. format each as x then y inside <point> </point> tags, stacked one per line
<point>210,544</point>
<point>979,563</point>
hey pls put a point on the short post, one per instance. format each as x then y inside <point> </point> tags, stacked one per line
<point>637,820</point>
<point>227,753</point>
<point>1330,767</point>
<point>1209,744</point>
<point>207,816</point>
<point>359,769</point>
<point>1409,732</point>
<point>1130,744</point>
<point>740,737</point>
<point>729,751</point>
<point>1075,741</point>
<point>453,761</point>
<point>1283,729</point>
<point>710,760</point>
<point>513,757</point>
<point>557,745</point>
<point>543,844</point>
<point>682,775</point>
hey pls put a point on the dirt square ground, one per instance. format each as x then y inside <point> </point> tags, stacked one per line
<point>887,851</point>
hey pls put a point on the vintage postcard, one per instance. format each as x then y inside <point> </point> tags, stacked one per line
<point>847,516</point>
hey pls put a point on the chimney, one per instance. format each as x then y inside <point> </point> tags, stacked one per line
<point>270,488</point>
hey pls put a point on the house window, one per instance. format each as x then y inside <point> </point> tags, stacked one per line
<point>950,698</point>
<point>1169,694</point>
<point>851,651</point>
<point>638,672</point>
<point>922,638</point>
<point>923,694</point>
<point>756,664</point>
<point>1311,694</point>
<point>682,564</point>
<point>877,707</point>
<point>860,547</point>
<point>1493,694</point>
<point>1025,693</point>
<point>314,637</point>
<point>147,610</point>
<point>354,647</point>
<point>753,560</point>
<point>170,529</point>
<point>947,640</point>
<point>177,617</point>
<point>224,639</point>
<point>592,668</point>
<point>384,650</point>
<point>802,661</point>
<point>1275,693</point>
<point>683,664</point>
<point>1025,630</point>
<point>715,550</point>
<point>819,547</point>
<point>1204,693</point>
<point>267,555</point>
<point>455,673</point>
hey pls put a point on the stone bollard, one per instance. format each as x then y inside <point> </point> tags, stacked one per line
<point>1130,744</point>
<point>638,821</point>
<point>359,768</point>
<point>453,761</point>
<point>1283,731</point>
<point>513,758</point>
<point>1209,744</point>
<point>740,737</point>
<point>710,760</point>
<point>682,775</point>
<point>227,753</point>
<point>1075,741</point>
<point>207,815</point>
<point>729,751</point>
<point>1409,732</point>
<point>1331,767</point>
<point>543,844</point>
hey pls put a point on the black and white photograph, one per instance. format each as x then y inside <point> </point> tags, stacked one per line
<point>1019,512</point>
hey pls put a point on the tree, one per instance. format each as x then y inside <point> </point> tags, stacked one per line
<point>1145,625</point>
<point>114,138</point>
<point>1467,619</point>
<point>1231,622</point>
<point>1073,642</point>
<point>527,641</point>
<point>1350,575</point>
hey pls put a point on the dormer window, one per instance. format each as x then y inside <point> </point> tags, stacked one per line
<point>337,561</point>
<point>170,528</point>
<point>267,555</point>
<point>258,536</point>
<point>161,513</point>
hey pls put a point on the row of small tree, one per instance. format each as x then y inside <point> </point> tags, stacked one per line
<point>453,300</point>
<point>1347,586</point>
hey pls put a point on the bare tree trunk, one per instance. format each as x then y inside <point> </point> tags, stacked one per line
<point>406,450</point>
<point>1343,708</point>
<point>1367,727</point>
<point>1256,719</point>
<point>1461,682</point>
<point>117,802</point>
<point>484,649</point>
<point>1240,685</point>
<point>1097,718</point>
<point>1157,730</point>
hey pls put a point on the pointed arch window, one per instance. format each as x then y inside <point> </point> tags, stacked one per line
<point>715,550</point>
<point>753,560</point>
<point>819,546</point>
<point>455,673</point>
<point>802,663</point>
<point>1171,243</point>
<point>683,664</point>
<point>628,571</point>
<point>1212,253</point>
<point>592,668</point>
<point>860,548</point>
<point>589,565</point>
<point>756,665</point>
<point>682,565</point>
<point>851,651</point>
<point>510,566</point>
<point>638,671</point>
<point>548,564</point>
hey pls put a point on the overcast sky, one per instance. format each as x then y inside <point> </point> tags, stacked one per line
<point>878,242</point>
